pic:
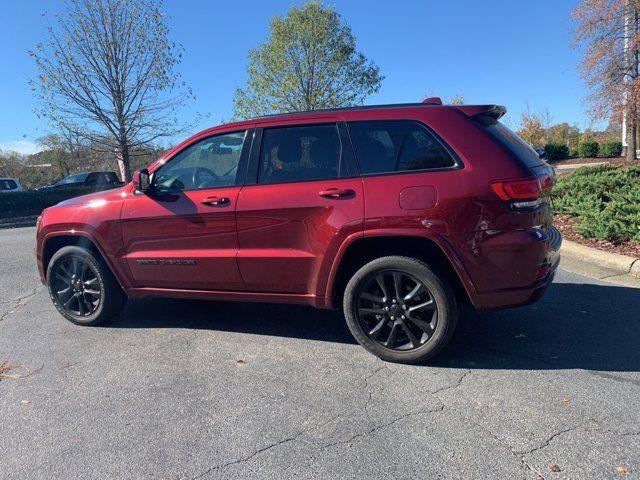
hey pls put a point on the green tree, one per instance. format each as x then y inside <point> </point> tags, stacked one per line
<point>533,128</point>
<point>308,62</point>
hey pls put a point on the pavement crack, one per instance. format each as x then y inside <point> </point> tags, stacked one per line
<point>456,384</point>
<point>248,457</point>
<point>383,425</point>
<point>367,387</point>
<point>20,302</point>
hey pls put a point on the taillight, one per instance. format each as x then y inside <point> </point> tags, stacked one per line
<point>523,193</point>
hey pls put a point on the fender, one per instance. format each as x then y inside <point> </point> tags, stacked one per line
<point>120,271</point>
<point>435,237</point>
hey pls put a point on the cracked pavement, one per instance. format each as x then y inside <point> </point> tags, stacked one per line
<point>159,393</point>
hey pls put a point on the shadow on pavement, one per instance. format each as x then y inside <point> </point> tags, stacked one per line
<point>586,326</point>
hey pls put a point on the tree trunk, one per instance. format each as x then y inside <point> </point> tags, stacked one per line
<point>126,163</point>
<point>632,124</point>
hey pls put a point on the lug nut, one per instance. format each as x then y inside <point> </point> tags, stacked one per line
<point>394,300</point>
<point>402,317</point>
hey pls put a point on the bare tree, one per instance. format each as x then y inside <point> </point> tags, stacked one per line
<point>107,74</point>
<point>610,31</point>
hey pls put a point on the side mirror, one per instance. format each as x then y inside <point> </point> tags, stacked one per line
<point>541,153</point>
<point>141,180</point>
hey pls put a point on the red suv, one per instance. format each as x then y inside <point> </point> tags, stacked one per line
<point>395,213</point>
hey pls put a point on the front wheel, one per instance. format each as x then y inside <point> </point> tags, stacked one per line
<point>82,287</point>
<point>400,310</point>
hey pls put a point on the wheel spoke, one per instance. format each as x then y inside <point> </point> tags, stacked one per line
<point>372,298</point>
<point>66,280</point>
<point>76,268</point>
<point>377,329</point>
<point>371,311</point>
<point>380,280</point>
<point>91,281</point>
<point>415,342</point>
<point>83,270</point>
<point>64,269</point>
<point>95,293</point>
<point>68,302</point>
<point>417,289</point>
<point>397,284</point>
<point>428,305</point>
<point>80,305</point>
<point>422,325</point>
<point>64,290</point>
<point>391,341</point>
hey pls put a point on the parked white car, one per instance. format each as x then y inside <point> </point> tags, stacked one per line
<point>10,185</point>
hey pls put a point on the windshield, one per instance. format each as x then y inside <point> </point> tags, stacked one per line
<point>77,178</point>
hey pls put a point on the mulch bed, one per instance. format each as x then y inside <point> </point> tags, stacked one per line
<point>565,223</point>
<point>622,161</point>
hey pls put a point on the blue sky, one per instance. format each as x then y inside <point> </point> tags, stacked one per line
<point>514,53</point>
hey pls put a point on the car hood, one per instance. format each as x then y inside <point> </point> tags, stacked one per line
<point>104,196</point>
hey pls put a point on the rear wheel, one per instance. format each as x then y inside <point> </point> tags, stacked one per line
<point>82,287</point>
<point>400,310</point>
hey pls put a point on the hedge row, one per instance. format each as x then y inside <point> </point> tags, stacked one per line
<point>586,149</point>
<point>606,200</point>
<point>32,202</point>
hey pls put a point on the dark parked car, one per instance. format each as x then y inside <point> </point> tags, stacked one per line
<point>396,214</point>
<point>99,180</point>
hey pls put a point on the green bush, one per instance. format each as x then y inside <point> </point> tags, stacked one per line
<point>556,151</point>
<point>611,149</point>
<point>588,149</point>
<point>606,200</point>
<point>32,202</point>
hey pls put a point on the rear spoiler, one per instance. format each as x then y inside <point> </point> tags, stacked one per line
<point>485,114</point>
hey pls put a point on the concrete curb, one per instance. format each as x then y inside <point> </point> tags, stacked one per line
<point>600,264</point>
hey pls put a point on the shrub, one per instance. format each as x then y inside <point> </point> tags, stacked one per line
<point>32,202</point>
<point>611,149</point>
<point>556,151</point>
<point>588,149</point>
<point>606,200</point>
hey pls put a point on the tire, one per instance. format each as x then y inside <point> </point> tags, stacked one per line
<point>91,295</point>
<point>427,320</point>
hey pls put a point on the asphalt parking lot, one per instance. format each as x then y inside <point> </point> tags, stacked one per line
<point>176,389</point>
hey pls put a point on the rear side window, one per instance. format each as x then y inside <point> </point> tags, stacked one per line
<point>397,146</point>
<point>7,184</point>
<point>295,154</point>
<point>514,144</point>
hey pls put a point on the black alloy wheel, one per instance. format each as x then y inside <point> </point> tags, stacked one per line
<point>76,286</point>
<point>397,310</point>
<point>400,309</point>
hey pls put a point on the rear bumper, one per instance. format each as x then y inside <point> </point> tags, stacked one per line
<point>515,297</point>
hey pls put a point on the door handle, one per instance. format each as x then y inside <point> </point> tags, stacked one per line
<point>337,193</point>
<point>216,201</point>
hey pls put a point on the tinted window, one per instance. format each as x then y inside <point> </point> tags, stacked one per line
<point>291,154</point>
<point>209,163</point>
<point>77,178</point>
<point>6,184</point>
<point>514,144</point>
<point>99,178</point>
<point>395,146</point>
